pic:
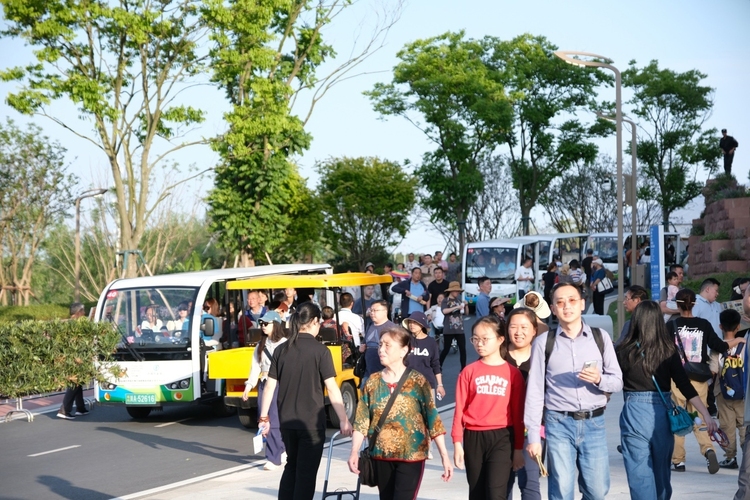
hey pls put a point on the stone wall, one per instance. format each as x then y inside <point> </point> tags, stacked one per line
<point>733,217</point>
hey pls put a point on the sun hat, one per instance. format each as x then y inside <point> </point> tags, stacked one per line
<point>418,317</point>
<point>454,286</point>
<point>271,316</point>
<point>542,309</point>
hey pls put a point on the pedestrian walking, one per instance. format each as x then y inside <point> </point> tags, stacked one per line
<point>74,392</point>
<point>298,368</point>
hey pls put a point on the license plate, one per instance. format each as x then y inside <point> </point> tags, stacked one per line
<point>140,399</point>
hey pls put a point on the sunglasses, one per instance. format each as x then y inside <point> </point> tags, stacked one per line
<point>262,323</point>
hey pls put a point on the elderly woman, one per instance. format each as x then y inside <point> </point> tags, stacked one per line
<point>597,275</point>
<point>401,448</point>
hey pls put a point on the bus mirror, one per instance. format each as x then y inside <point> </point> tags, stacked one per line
<point>207,327</point>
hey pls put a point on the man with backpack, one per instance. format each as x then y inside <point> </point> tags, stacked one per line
<point>569,389</point>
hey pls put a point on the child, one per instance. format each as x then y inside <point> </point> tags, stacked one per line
<point>729,389</point>
<point>435,315</point>
<point>673,282</point>
<point>424,353</point>
<point>327,314</point>
<point>488,418</point>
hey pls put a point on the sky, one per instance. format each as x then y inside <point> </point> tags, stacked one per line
<point>682,35</point>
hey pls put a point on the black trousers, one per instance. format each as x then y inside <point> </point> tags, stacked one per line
<point>398,480</point>
<point>488,456</point>
<point>304,450</point>
<point>728,159</point>
<point>71,394</point>
<point>447,341</point>
<point>598,300</point>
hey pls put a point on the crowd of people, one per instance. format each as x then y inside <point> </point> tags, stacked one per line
<point>534,401</point>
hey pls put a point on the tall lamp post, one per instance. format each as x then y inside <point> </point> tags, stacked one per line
<point>568,56</point>
<point>633,191</point>
<point>87,194</point>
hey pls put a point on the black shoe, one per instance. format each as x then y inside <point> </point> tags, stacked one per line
<point>65,416</point>
<point>680,467</point>
<point>712,462</point>
<point>729,463</point>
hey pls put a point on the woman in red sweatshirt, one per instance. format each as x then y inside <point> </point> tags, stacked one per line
<point>488,420</point>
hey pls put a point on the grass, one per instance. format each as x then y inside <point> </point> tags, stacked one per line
<point>721,235</point>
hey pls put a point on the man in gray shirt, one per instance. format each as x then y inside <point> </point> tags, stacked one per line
<point>570,392</point>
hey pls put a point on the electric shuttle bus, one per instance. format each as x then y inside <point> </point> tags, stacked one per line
<point>166,336</point>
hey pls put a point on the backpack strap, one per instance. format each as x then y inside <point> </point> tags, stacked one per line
<point>596,332</point>
<point>599,341</point>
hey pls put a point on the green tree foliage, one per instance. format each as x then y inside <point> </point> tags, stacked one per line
<point>35,193</point>
<point>442,86</point>
<point>123,65</point>
<point>545,139</point>
<point>265,54</point>
<point>366,204</point>
<point>45,356</point>
<point>672,143</point>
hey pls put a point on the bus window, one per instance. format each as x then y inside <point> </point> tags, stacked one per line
<point>498,264</point>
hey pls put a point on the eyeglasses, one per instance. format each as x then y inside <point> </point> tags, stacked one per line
<point>379,309</point>
<point>569,302</point>
<point>263,323</point>
<point>480,341</point>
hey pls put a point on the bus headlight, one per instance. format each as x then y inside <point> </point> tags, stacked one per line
<point>180,384</point>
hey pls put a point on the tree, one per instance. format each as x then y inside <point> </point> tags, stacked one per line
<point>123,65</point>
<point>366,205</point>
<point>579,202</point>
<point>444,89</point>
<point>672,144</point>
<point>35,193</point>
<point>544,141</point>
<point>266,54</point>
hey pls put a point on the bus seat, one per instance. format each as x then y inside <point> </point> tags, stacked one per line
<point>253,336</point>
<point>328,335</point>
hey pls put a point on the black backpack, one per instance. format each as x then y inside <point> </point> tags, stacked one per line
<point>596,332</point>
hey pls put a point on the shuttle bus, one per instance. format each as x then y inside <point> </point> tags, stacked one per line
<point>605,246</point>
<point>163,349</point>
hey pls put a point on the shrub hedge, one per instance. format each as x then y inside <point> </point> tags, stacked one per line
<point>46,356</point>
<point>14,314</point>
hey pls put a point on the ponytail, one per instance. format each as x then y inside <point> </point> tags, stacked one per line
<point>302,317</point>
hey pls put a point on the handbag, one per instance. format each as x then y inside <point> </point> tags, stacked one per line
<point>680,421</point>
<point>700,372</point>
<point>605,285</point>
<point>367,475</point>
<point>360,367</point>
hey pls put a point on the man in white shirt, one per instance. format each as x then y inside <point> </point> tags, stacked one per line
<point>355,321</point>
<point>706,306</point>
<point>524,277</point>
<point>410,264</point>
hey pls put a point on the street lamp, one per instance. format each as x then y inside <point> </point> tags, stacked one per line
<point>633,192</point>
<point>461,236</point>
<point>604,62</point>
<point>87,194</point>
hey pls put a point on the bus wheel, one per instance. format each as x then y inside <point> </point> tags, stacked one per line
<point>138,412</point>
<point>247,418</point>
<point>349,396</point>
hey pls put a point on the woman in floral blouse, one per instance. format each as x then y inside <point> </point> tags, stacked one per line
<point>401,449</point>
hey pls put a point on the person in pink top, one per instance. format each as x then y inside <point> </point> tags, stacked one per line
<point>488,429</point>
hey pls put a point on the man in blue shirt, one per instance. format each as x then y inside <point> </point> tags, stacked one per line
<point>573,402</point>
<point>414,294</point>
<point>483,300</point>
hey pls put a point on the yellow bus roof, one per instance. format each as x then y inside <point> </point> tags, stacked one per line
<point>309,281</point>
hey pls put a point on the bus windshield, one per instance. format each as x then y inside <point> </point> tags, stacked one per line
<point>497,263</point>
<point>154,323</point>
<point>605,247</point>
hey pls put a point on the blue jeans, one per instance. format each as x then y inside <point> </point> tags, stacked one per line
<point>528,478</point>
<point>580,444</point>
<point>647,444</point>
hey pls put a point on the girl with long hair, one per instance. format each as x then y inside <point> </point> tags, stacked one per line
<point>297,369</point>
<point>488,419</point>
<point>273,337</point>
<point>645,436</point>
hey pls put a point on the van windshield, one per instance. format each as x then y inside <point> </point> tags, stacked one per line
<point>497,263</point>
<point>154,322</point>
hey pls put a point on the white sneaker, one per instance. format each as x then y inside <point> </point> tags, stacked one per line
<point>270,466</point>
<point>429,455</point>
<point>65,416</point>
<point>283,458</point>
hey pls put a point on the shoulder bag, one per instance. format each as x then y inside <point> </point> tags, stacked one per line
<point>680,421</point>
<point>360,367</point>
<point>700,372</point>
<point>367,475</point>
<point>605,285</point>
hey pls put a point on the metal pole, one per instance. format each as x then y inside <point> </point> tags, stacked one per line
<point>77,293</point>
<point>620,232</point>
<point>633,190</point>
<point>77,264</point>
